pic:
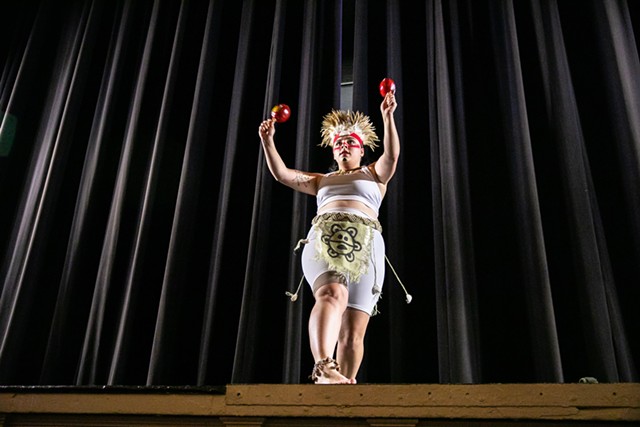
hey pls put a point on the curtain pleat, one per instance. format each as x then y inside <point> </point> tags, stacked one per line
<point>597,294</point>
<point>292,349</point>
<point>395,233</point>
<point>25,267</point>
<point>135,274</point>
<point>248,323</point>
<point>361,82</point>
<point>165,351</point>
<point>144,241</point>
<point>531,245</point>
<point>455,284</point>
<point>62,346</point>
<point>619,47</point>
<point>92,356</point>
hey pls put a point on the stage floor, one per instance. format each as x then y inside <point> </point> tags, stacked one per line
<point>324,405</point>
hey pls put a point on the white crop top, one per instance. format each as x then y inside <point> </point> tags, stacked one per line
<point>360,186</point>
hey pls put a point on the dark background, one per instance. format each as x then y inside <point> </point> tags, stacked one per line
<point>143,240</point>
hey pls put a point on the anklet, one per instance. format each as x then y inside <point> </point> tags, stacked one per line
<point>318,368</point>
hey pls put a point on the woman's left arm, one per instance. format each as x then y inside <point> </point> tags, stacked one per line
<point>385,166</point>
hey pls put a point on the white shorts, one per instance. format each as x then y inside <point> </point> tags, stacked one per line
<point>363,294</point>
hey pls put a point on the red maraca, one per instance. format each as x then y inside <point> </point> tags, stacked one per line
<point>280,113</point>
<point>387,85</point>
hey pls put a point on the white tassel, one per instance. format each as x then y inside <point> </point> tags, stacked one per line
<point>408,296</point>
<point>294,297</point>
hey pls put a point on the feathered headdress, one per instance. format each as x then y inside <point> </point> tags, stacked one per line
<point>340,123</point>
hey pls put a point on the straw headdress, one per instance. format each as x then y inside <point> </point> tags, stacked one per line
<point>344,123</point>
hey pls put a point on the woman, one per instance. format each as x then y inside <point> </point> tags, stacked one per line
<point>343,258</point>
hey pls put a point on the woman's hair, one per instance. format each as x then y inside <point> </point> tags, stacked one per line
<point>348,123</point>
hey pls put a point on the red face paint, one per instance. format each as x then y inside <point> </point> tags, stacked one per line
<point>356,142</point>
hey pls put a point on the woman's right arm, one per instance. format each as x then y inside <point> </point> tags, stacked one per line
<point>305,182</point>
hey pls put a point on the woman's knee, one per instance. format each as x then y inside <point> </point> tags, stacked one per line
<point>351,339</point>
<point>335,293</point>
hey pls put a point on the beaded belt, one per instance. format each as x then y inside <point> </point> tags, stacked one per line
<point>343,216</point>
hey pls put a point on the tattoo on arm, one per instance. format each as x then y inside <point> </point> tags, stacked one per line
<point>301,179</point>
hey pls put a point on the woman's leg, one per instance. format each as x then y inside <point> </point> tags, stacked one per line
<point>351,342</point>
<point>324,329</point>
<point>363,297</point>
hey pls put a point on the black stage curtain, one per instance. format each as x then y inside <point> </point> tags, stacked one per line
<point>144,242</point>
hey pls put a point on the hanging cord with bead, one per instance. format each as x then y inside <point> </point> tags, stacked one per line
<point>408,298</point>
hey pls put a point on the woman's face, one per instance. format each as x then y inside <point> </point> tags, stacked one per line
<point>347,149</point>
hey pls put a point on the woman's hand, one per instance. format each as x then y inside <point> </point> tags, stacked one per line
<point>266,130</point>
<point>388,105</point>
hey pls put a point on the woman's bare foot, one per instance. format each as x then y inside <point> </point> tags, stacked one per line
<point>327,371</point>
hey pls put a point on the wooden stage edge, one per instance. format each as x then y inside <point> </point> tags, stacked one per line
<point>324,405</point>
